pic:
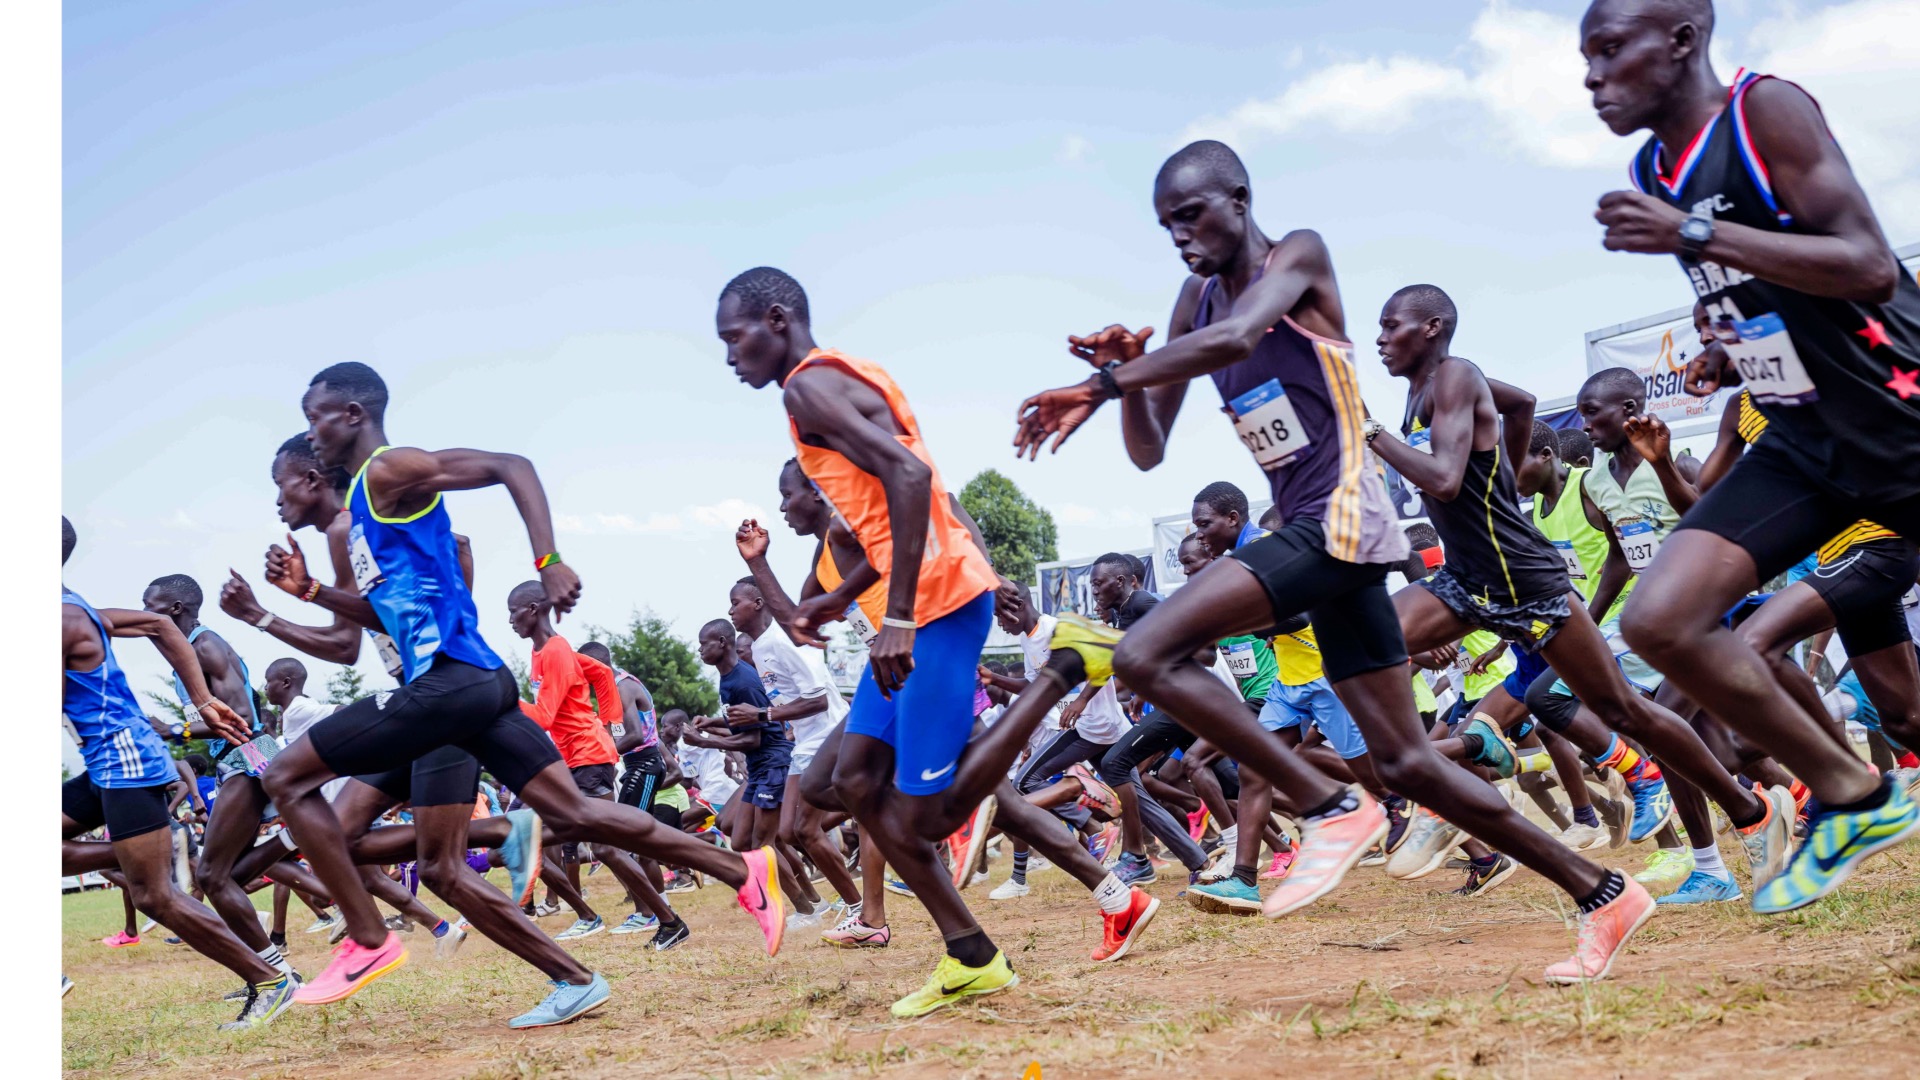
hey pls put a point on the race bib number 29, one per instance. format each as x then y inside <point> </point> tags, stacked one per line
<point>366,572</point>
<point>1265,421</point>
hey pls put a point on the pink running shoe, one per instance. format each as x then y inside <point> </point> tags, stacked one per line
<point>352,967</point>
<point>1094,792</point>
<point>1602,935</point>
<point>1282,866</point>
<point>120,940</point>
<point>760,896</point>
<point>1197,824</point>
<point>854,934</point>
<point>1328,848</point>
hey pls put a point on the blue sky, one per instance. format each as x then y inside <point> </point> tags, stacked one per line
<point>521,214</point>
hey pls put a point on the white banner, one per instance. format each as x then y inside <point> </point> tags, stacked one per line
<point>1659,355</point>
<point>1167,532</point>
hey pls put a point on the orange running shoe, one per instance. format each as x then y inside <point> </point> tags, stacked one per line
<point>760,896</point>
<point>1328,848</point>
<point>966,846</point>
<point>1602,935</point>
<point>1122,930</point>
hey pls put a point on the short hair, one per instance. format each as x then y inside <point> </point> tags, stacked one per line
<point>719,626</point>
<point>289,666</point>
<point>1616,384</point>
<point>356,382</point>
<point>299,454</point>
<point>527,590</point>
<point>1422,536</point>
<point>68,538</point>
<point>1115,558</point>
<point>1575,444</point>
<point>1428,302</point>
<point>1223,498</point>
<point>1543,438</point>
<point>762,287</point>
<point>597,649</point>
<point>1190,538</point>
<point>1214,160</point>
<point>748,580</point>
<point>793,465</point>
<point>1270,519</point>
<point>181,588</point>
<point>198,763</point>
<point>1139,568</point>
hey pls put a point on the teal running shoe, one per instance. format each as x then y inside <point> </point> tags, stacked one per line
<point>521,853</point>
<point>1836,843</point>
<point>566,1004</point>
<point>1652,807</point>
<point>635,923</point>
<point>582,928</point>
<point>1228,896</point>
<point>1495,752</point>
<point>1701,888</point>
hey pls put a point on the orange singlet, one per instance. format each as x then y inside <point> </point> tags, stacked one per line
<point>872,604</point>
<point>953,570</point>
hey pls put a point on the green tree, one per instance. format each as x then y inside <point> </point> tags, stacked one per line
<point>666,662</point>
<point>522,676</point>
<point>346,686</point>
<point>1019,532</point>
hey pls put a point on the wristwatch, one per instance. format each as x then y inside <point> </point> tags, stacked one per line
<point>177,732</point>
<point>765,716</point>
<point>1371,428</point>
<point>1695,233</point>
<point>1108,386</point>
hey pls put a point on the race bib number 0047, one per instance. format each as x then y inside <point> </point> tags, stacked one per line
<point>1768,364</point>
<point>1265,421</point>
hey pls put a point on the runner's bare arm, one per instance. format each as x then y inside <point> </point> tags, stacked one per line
<point>1515,407</point>
<point>1727,448</point>
<point>1441,473</point>
<point>1147,416</point>
<point>337,642</point>
<point>215,715</point>
<point>287,570</point>
<point>1654,440</point>
<point>1836,248</point>
<point>1615,573</point>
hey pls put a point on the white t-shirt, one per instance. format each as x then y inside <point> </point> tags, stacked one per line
<point>788,678</point>
<point>709,766</point>
<point>1103,721</point>
<point>1035,649</point>
<point>300,714</point>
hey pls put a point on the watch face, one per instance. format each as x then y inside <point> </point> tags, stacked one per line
<point>1697,229</point>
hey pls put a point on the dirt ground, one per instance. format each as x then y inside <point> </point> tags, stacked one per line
<point>1383,978</point>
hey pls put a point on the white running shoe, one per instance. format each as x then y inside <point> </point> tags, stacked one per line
<point>1010,889</point>
<point>1585,837</point>
<point>1430,839</point>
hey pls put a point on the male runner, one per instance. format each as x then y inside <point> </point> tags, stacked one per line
<point>644,773</point>
<point>126,780</point>
<point>1749,190</point>
<point>1263,318</point>
<point>407,579</point>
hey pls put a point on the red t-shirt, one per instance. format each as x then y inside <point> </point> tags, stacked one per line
<point>562,705</point>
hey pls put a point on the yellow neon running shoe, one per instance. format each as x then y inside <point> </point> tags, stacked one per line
<point>1093,642</point>
<point>953,980</point>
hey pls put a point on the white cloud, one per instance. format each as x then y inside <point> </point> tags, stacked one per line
<point>1073,148</point>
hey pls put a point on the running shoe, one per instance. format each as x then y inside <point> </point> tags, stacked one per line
<point>447,944</point>
<point>1037,862</point>
<point>1374,857</point>
<point>670,934</point>
<point>1134,869</point>
<point>1496,752</point>
<point>173,941</point>
<point>635,923</point>
<point>1665,870</point>
<point>953,980</point>
<point>1769,841</point>
<point>1281,867</point>
<point>564,1005</point>
<point>1328,849</point>
<point>1907,780</point>
<point>1481,879</point>
<point>854,934</point>
<point>264,1003</point>
<point>521,854</point>
<point>1219,866</point>
<point>323,924</point>
<point>1616,815</point>
<point>1399,819</point>
<point>1836,842</point>
<point>1197,824</point>
<point>353,966</point>
<point>1702,888</point>
<point>1228,896</point>
<point>968,844</point>
<point>1095,794</point>
<point>120,940</point>
<point>1652,807</point>
<point>339,929</point>
<point>804,920</point>
<point>679,883</point>
<point>1602,935</point>
<point>1430,839</point>
<point>894,885</point>
<point>1584,837</point>
<point>150,924</point>
<point>400,924</point>
<point>66,985</point>
<point>1099,845</point>
<point>760,896</point>
<point>1119,932</point>
<point>545,908</point>
<point>1093,642</point>
<point>582,928</point>
<point>1010,889</point>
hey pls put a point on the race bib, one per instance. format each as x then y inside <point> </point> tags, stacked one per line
<point>1768,364</point>
<point>619,731</point>
<point>1241,660</point>
<point>862,625</point>
<point>389,653</point>
<point>366,572</point>
<point>1421,439</point>
<point>1265,421</point>
<point>1575,568</point>
<point>1639,542</point>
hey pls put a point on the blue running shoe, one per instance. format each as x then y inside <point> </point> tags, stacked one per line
<point>1134,869</point>
<point>1835,844</point>
<point>635,923</point>
<point>1496,752</point>
<point>1702,888</point>
<point>566,1004</point>
<point>521,853</point>
<point>895,885</point>
<point>1228,896</point>
<point>1652,807</point>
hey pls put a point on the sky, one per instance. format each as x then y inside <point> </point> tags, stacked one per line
<point>521,214</point>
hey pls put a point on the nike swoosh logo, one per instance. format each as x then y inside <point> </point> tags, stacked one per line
<point>354,976</point>
<point>956,989</point>
<point>931,774</point>
<point>763,899</point>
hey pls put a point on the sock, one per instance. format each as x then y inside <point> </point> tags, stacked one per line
<point>1474,746</point>
<point>1111,895</point>
<point>1246,875</point>
<point>1627,761</point>
<point>1486,862</point>
<point>1230,835</point>
<point>971,947</point>
<point>274,958</point>
<point>1532,761</point>
<point>1344,803</point>
<point>1607,893</point>
<point>1748,821</point>
<point>441,930</point>
<point>1585,815</point>
<point>1019,868</point>
<point>1878,796</point>
<point>278,941</point>
<point>1707,861</point>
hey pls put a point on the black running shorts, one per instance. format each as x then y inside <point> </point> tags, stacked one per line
<point>1863,587</point>
<point>594,781</point>
<point>640,782</point>
<point>453,704</point>
<point>127,812</point>
<point>1529,625</point>
<point>1353,618</point>
<point>448,776</point>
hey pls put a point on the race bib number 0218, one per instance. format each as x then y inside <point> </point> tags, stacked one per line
<point>1265,421</point>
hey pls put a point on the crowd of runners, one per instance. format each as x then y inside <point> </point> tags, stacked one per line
<point>1583,627</point>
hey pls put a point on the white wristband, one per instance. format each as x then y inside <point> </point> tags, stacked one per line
<point>900,624</point>
<point>265,621</point>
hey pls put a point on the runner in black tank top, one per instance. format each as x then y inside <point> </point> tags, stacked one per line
<point>1823,325</point>
<point>1264,318</point>
<point>1466,410</point>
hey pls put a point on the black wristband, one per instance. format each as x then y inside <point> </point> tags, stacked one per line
<point>1108,385</point>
